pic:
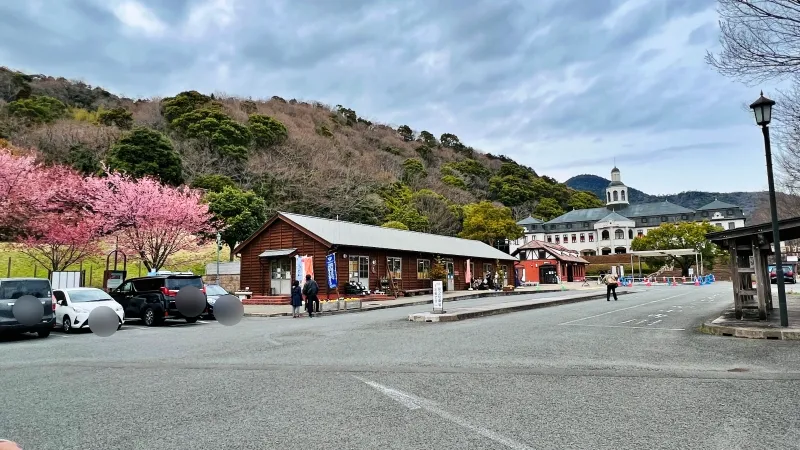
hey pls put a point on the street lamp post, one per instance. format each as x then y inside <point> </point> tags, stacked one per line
<point>762,108</point>
<point>219,247</point>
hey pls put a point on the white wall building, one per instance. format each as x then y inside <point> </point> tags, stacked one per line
<point>611,229</point>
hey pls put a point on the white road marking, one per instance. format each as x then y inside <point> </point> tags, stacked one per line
<point>413,402</point>
<point>653,323</point>
<point>272,341</point>
<point>641,321</point>
<point>623,309</point>
<point>628,321</point>
<point>632,328</point>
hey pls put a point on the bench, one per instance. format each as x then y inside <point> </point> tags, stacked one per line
<point>411,292</point>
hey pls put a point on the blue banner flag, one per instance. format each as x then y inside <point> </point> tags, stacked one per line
<point>330,262</point>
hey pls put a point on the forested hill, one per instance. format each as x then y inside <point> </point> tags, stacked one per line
<point>689,199</point>
<point>297,156</point>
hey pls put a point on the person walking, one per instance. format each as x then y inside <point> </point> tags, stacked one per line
<point>310,290</point>
<point>611,286</point>
<point>297,298</point>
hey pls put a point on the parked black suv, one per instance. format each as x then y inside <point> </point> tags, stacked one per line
<point>12,289</point>
<point>152,298</point>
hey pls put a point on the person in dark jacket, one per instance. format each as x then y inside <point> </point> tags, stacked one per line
<point>310,290</point>
<point>297,298</point>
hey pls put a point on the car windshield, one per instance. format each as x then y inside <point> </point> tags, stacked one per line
<point>14,289</point>
<point>176,284</point>
<point>786,269</point>
<point>214,289</point>
<point>88,295</point>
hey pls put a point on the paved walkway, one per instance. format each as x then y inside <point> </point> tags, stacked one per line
<point>750,327</point>
<point>369,305</point>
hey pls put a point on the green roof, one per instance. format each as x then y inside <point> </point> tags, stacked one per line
<point>716,204</point>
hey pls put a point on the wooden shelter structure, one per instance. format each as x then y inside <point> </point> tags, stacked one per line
<point>749,248</point>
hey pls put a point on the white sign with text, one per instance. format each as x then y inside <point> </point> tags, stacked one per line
<point>438,297</point>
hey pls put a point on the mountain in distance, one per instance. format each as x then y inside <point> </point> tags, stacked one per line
<point>748,201</point>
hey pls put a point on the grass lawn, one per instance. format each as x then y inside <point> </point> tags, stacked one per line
<point>14,263</point>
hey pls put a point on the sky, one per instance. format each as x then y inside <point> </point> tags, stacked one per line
<point>564,86</point>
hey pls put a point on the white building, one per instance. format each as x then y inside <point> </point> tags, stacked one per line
<point>611,229</point>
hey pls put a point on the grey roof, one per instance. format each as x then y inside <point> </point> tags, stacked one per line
<point>630,211</point>
<point>615,169</point>
<point>654,209</point>
<point>529,220</point>
<point>359,235</point>
<point>274,253</point>
<point>716,204</point>
<point>225,268</point>
<point>616,183</point>
<point>614,217</point>
<point>582,215</point>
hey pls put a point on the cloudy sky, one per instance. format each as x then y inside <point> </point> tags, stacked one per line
<point>564,86</point>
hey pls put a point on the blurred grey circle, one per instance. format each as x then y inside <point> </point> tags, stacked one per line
<point>228,310</point>
<point>190,301</point>
<point>28,310</point>
<point>103,321</point>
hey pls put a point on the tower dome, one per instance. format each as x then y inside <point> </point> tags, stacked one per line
<point>616,192</point>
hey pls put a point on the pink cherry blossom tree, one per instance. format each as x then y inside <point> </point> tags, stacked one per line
<point>57,241</point>
<point>152,220</point>
<point>22,191</point>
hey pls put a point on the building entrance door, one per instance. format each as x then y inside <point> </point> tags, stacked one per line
<point>280,277</point>
<point>548,275</point>
<point>359,270</point>
<point>451,275</point>
<point>570,274</point>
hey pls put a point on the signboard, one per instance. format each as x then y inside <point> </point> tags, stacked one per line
<point>330,263</point>
<point>113,278</point>
<point>691,271</point>
<point>438,298</point>
<point>65,280</point>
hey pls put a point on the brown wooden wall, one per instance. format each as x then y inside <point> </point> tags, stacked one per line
<point>255,274</point>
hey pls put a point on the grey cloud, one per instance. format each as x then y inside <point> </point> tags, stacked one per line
<point>656,155</point>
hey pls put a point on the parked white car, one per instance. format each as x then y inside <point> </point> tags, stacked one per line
<point>73,306</point>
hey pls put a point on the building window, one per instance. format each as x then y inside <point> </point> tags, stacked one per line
<point>591,237</point>
<point>487,269</point>
<point>566,238</point>
<point>472,269</point>
<point>605,235</point>
<point>704,213</point>
<point>619,234</point>
<point>729,212</point>
<point>569,225</point>
<point>731,225</point>
<point>423,269</point>
<point>622,195</point>
<point>558,240</point>
<point>586,224</point>
<point>664,218</point>
<point>533,227</point>
<point>359,267</point>
<point>630,234</point>
<point>640,233</point>
<point>574,238</point>
<point>683,217</point>
<point>609,196</point>
<point>394,266</point>
<point>644,219</point>
<point>542,254</point>
<point>616,197</point>
<point>583,237</point>
<point>550,239</point>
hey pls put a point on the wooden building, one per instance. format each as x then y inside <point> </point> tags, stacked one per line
<point>368,254</point>
<point>545,263</point>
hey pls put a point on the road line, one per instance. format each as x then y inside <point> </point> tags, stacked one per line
<point>272,341</point>
<point>623,309</point>
<point>653,323</point>
<point>632,328</point>
<point>413,402</point>
<point>628,321</point>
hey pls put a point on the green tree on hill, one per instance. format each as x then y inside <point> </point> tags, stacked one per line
<point>406,133</point>
<point>241,212</point>
<point>266,131</point>
<point>119,117</point>
<point>37,109</point>
<point>216,131</point>
<point>212,182</point>
<point>548,209</point>
<point>174,107</point>
<point>144,151</point>
<point>487,223</point>
<point>395,224</point>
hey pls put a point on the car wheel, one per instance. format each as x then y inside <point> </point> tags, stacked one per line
<point>191,319</point>
<point>66,324</point>
<point>43,333</point>
<point>149,317</point>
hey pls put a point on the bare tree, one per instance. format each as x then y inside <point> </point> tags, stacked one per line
<point>760,39</point>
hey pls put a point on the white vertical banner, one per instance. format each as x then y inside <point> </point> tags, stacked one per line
<point>438,297</point>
